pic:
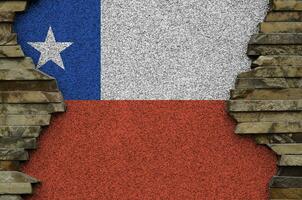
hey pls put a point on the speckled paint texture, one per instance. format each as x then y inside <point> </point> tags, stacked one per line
<point>75,21</point>
<point>148,150</point>
<point>189,49</point>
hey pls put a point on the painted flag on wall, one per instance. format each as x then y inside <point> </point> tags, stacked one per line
<point>185,52</point>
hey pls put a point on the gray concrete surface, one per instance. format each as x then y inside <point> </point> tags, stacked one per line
<point>175,49</point>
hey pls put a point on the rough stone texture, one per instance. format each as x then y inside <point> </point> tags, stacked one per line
<point>287,5</point>
<point>269,105</point>
<point>12,6</point>
<point>267,94</point>
<point>268,127</point>
<point>20,131</point>
<point>284,17</point>
<point>281,27</point>
<point>13,154</point>
<point>15,188</point>
<point>264,116</point>
<point>24,120</point>
<point>6,63</point>
<point>276,39</point>
<point>256,50</point>
<point>187,49</point>
<point>22,74</point>
<point>28,97</point>
<point>266,83</point>
<point>290,160</point>
<point>286,193</point>
<point>273,72</point>
<point>266,139</point>
<point>10,197</point>
<point>36,108</point>
<point>11,51</point>
<point>266,101</point>
<point>10,39</point>
<point>273,60</point>
<point>286,182</point>
<point>9,165</point>
<point>292,149</point>
<point>47,86</point>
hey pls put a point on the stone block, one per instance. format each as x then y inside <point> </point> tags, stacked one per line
<point>18,154</point>
<point>264,105</point>
<point>276,39</point>
<point>13,6</point>
<point>287,5</point>
<point>292,149</point>
<point>268,127</point>
<point>268,83</point>
<point>281,27</point>
<point>290,160</point>
<point>273,60</point>
<point>19,131</point>
<point>267,116</point>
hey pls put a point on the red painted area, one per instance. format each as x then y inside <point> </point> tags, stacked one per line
<point>178,150</point>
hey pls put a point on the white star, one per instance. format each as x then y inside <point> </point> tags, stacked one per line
<point>50,49</point>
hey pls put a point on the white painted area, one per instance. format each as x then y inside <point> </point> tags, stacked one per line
<point>175,49</point>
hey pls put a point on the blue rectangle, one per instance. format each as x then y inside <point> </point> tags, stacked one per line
<point>76,21</point>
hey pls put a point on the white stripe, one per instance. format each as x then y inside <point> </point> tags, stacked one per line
<point>188,49</point>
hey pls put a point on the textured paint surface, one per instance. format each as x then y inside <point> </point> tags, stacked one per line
<point>76,21</point>
<point>189,49</point>
<point>102,150</point>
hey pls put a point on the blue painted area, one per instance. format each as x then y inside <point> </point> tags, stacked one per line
<point>76,21</point>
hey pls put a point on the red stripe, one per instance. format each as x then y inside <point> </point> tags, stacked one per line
<point>148,150</point>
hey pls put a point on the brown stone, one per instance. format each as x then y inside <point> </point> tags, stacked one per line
<point>23,74</point>
<point>10,197</point>
<point>286,182</point>
<point>17,143</point>
<point>287,5</point>
<point>30,97</point>
<point>11,51</point>
<point>9,63</point>
<point>6,28</point>
<point>9,166</point>
<point>10,39</point>
<point>266,139</point>
<point>24,120</point>
<point>273,72</point>
<point>264,105</point>
<point>31,108</point>
<point>290,160</point>
<point>19,131</point>
<point>15,188</point>
<point>267,94</point>
<point>284,17</point>
<point>268,83</point>
<point>281,149</point>
<point>290,171</point>
<point>16,177</point>
<point>268,127</point>
<point>267,116</point>
<point>276,39</point>
<point>281,27</point>
<point>284,61</point>
<point>18,154</point>
<point>268,49</point>
<point>7,16</point>
<point>13,6</point>
<point>47,86</point>
<point>286,193</point>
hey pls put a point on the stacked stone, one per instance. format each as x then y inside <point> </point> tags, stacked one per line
<point>267,101</point>
<point>28,97</point>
